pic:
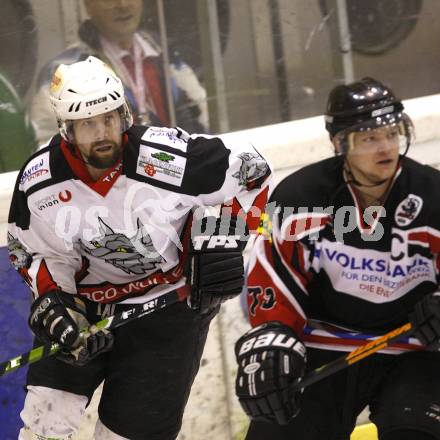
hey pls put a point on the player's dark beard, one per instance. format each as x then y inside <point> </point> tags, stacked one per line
<point>103,163</point>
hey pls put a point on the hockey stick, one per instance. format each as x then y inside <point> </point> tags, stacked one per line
<point>355,356</point>
<point>122,318</point>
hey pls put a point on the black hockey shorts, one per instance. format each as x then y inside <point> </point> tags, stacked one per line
<point>147,375</point>
<point>402,391</point>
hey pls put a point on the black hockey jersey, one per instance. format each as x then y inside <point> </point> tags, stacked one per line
<point>124,236</point>
<point>339,275</point>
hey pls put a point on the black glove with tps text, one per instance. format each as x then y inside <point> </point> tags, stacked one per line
<point>59,317</point>
<point>215,269</point>
<point>425,320</point>
<point>271,361</point>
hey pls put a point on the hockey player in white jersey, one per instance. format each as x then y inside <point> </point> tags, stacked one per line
<point>109,214</point>
<point>353,253</point>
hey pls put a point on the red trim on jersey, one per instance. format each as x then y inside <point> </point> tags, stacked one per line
<point>103,185</point>
<point>306,223</point>
<point>45,282</point>
<point>426,237</point>
<point>356,193</point>
<point>109,292</point>
<point>348,342</point>
<point>76,164</point>
<point>236,209</point>
<point>260,203</point>
<point>358,206</point>
<point>252,217</point>
<point>26,277</point>
<point>287,249</point>
<point>83,272</point>
<point>268,252</point>
<point>282,309</point>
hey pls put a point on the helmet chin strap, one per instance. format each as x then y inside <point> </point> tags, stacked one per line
<point>352,179</point>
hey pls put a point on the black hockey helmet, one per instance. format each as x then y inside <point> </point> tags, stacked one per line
<point>364,105</point>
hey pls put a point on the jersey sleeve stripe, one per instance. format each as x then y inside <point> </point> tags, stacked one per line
<point>253,215</point>
<point>44,280</point>
<point>427,237</point>
<point>283,307</point>
<point>276,280</point>
<point>298,226</point>
<point>296,276</point>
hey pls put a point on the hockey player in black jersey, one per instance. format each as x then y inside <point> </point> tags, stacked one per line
<point>107,215</point>
<point>352,252</point>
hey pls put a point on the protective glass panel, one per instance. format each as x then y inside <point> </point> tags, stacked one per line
<point>210,65</point>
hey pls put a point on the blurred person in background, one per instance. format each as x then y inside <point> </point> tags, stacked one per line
<point>17,138</point>
<point>112,34</point>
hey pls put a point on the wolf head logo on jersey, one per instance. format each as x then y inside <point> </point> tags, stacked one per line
<point>18,255</point>
<point>135,256</point>
<point>253,167</point>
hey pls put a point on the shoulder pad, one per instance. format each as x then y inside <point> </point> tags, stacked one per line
<point>172,137</point>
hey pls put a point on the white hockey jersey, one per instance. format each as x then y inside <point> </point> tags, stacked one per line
<point>123,238</point>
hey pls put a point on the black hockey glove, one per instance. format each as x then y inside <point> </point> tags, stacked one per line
<point>215,269</point>
<point>271,360</point>
<point>425,320</point>
<point>58,317</point>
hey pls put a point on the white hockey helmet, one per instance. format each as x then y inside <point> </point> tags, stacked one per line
<point>86,89</point>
